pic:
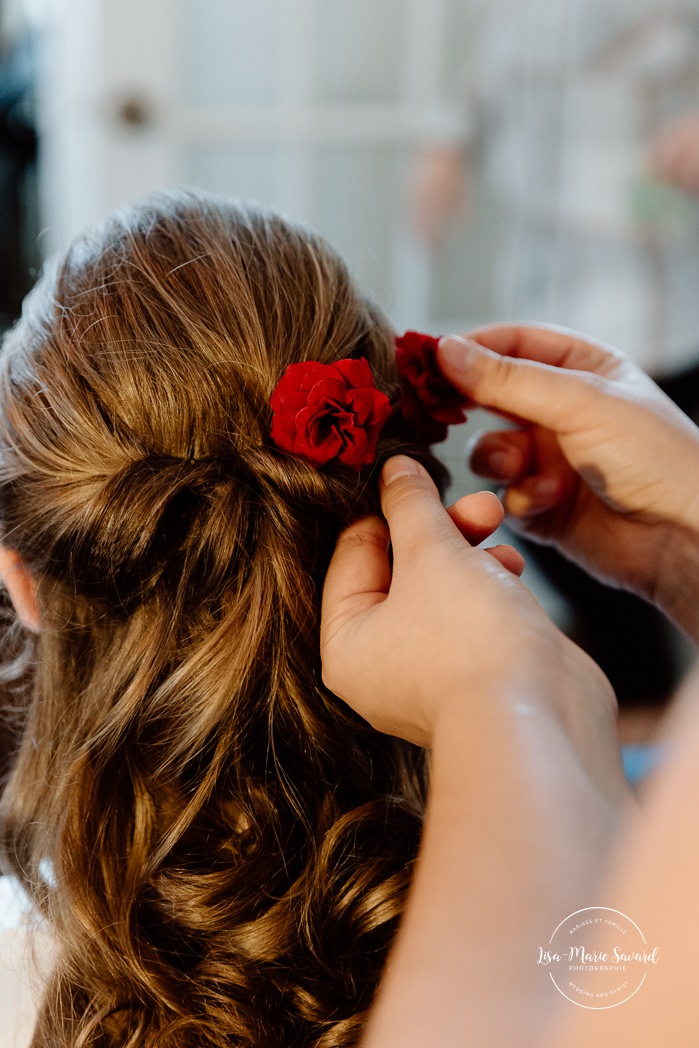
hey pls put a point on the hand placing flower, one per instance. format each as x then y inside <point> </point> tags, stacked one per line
<point>429,402</point>
<point>328,411</point>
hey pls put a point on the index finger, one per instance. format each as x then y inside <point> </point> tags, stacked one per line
<point>548,344</point>
<point>525,390</point>
<point>359,574</point>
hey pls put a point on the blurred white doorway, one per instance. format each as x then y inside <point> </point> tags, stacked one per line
<point>315,107</point>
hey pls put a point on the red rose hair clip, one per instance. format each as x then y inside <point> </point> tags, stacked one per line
<point>328,411</point>
<point>334,411</point>
<point>428,402</point>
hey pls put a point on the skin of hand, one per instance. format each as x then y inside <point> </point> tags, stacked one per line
<point>449,649</point>
<point>440,188</point>
<point>412,648</point>
<point>674,154</point>
<point>601,463</point>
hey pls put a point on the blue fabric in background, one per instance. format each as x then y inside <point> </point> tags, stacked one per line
<point>640,760</point>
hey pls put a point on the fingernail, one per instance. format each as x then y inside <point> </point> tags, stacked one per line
<point>400,466</point>
<point>457,352</point>
<point>538,496</point>
<point>473,440</point>
<point>500,463</point>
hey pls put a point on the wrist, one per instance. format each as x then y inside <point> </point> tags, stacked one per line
<point>676,589</point>
<point>559,724</point>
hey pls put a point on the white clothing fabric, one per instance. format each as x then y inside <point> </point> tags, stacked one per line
<point>23,956</point>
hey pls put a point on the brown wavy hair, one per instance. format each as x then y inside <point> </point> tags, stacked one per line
<point>221,847</point>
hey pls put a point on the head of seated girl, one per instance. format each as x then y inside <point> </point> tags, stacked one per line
<point>220,848</point>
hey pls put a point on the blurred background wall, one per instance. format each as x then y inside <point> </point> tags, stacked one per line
<point>326,110</point>
<point>316,107</point>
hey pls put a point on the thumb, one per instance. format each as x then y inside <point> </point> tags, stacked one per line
<point>541,393</point>
<point>412,507</point>
<point>359,574</point>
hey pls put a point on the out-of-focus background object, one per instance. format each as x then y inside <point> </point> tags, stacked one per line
<point>582,116</point>
<point>572,113</point>
<point>316,107</point>
<point>18,194</point>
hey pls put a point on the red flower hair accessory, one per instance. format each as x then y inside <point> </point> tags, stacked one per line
<point>328,411</point>
<point>428,402</point>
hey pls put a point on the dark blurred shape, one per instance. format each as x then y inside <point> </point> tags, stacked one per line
<point>18,148</point>
<point>630,640</point>
<point>135,112</point>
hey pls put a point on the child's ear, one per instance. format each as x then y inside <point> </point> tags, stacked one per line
<point>20,587</point>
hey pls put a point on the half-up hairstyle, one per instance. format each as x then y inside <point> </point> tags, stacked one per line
<point>220,847</point>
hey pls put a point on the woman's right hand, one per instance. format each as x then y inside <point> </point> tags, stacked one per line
<point>447,648</point>
<point>449,641</point>
<point>603,464</point>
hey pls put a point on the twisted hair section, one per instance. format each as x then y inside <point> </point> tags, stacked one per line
<point>220,846</point>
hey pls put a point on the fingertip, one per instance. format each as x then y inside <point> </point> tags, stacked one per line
<point>499,463</point>
<point>502,455</point>
<point>477,515</point>
<point>400,466</point>
<point>486,493</point>
<point>411,504</point>
<point>488,505</point>
<point>456,352</point>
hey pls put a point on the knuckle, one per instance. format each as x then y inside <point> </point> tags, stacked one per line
<point>406,494</point>
<point>595,384</point>
<point>411,549</point>
<point>498,380</point>
<point>500,369</point>
<point>331,667</point>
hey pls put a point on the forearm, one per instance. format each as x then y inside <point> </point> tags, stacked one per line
<point>654,881</point>
<point>516,837</point>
